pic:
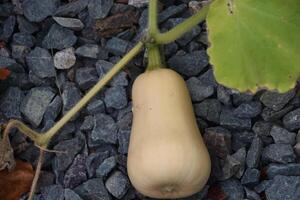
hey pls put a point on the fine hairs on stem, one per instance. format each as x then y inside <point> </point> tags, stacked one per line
<point>155,60</point>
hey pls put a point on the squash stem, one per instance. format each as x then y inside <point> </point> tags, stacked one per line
<point>154,57</point>
<point>153,29</point>
<point>181,29</point>
<point>71,113</point>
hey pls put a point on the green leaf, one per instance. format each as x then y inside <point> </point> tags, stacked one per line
<point>255,44</point>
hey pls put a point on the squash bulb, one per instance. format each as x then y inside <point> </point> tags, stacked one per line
<point>167,157</point>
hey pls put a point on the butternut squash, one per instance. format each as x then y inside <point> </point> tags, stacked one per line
<point>167,157</point>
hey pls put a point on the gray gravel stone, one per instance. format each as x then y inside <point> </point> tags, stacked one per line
<point>234,164</point>
<point>10,103</point>
<point>76,174</point>
<point>218,140</point>
<point>71,9</point>
<point>99,9</point>
<point>270,115</point>
<point>171,11</point>
<point>41,63</point>
<point>250,177</point>
<point>70,96</point>
<point>238,98</point>
<point>209,109</point>
<point>292,120</point>
<point>241,139</point>
<point>138,3</point>
<point>248,110</point>
<point>199,90</point>
<point>284,187</point>
<point>96,106</point>
<point>291,169</point>
<point>297,149</point>
<point>26,26</point>
<point>275,100</point>
<point>117,184</point>
<point>117,46</point>
<point>251,195</point>
<point>94,160</point>
<point>6,9</point>
<point>53,192</point>
<point>93,189</point>
<point>34,105</point>
<point>254,153</point>
<point>123,139</point>
<point>86,77</point>
<point>115,97</point>
<point>262,186</point>
<point>65,59</point>
<point>105,130</point>
<point>6,62</point>
<point>233,189</point>
<point>229,119</point>
<point>193,63</point>
<point>23,39</point>
<point>71,195</point>
<point>262,128</point>
<point>224,95</point>
<point>54,108</point>
<point>71,23</point>
<point>59,38</point>
<point>106,167</point>
<point>8,27</point>
<point>87,124</point>
<point>281,135</point>
<point>88,50</point>
<point>38,10</point>
<point>280,153</point>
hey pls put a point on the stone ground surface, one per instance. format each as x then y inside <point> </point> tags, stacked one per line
<point>58,49</point>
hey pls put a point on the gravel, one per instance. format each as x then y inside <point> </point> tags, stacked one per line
<point>280,153</point>
<point>38,10</point>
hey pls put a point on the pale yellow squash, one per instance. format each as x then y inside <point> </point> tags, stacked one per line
<point>167,157</point>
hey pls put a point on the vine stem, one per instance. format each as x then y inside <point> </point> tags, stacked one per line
<point>125,60</point>
<point>182,28</point>
<point>37,174</point>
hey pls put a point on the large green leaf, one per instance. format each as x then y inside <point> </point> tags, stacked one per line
<point>255,43</point>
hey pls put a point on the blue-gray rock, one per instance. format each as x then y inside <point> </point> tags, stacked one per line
<point>93,189</point>
<point>208,78</point>
<point>190,64</point>
<point>71,23</point>
<point>37,81</point>
<point>59,38</point>
<point>123,140</point>
<point>270,115</point>
<point>99,9</point>
<point>7,28</point>
<point>171,11</point>
<point>124,122</point>
<point>103,67</point>
<point>262,128</point>
<point>254,153</point>
<point>6,62</point>
<point>117,184</point>
<point>65,59</point>
<point>96,106</point>
<point>76,174</point>
<point>276,101</point>
<point>23,39</point>
<point>46,178</point>
<point>106,167</point>
<point>262,186</point>
<point>218,140</point>
<point>26,26</point>
<point>88,50</point>
<point>105,130</point>
<point>241,139</point>
<point>38,10</point>
<point>189,36</point>
<point>248,110</point>
<point>94,160</point>
<point>238,98</point>
<point>230,120</point>
<point>240,156</point>
<point>87,124</point>
<point>297,149</point>
<point>252,195</point>
<point>284,187</point>
<point>70,148</point>
<point>224,95</point>
<point>6,9</point>
<point>71,195</point>
<point>10,103</point>
<point>53,192</point>
<point>250,177</point>
<point>209,109</point>
<point>281,135</point>
<point>231,167</point>
<point>233,189</point>
<point>40,62</point>
<point>291,169</point>
<point>199,90</point>
<point>19,52</point>
<point>4,52</point>
<point>170,49</point>
<point>86,77</point>
<point>35,104</point>
<point>138,3</point>
<point>54,108</point>
<point>115,97</point>
<point>71,9</point>
<point>117,46</point>
<point>280,153</point>
<point>70,96</point>
<point>292,120</point>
